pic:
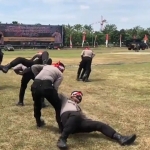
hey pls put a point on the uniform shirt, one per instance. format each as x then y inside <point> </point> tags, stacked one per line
<point>87,53</point>
<point>69,105</point>
<point>48,72</point>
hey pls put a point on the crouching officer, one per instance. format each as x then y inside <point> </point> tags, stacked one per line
<point>74,121</point>
<point>24,82</point>
<point>85,64</point>
<point>47,81</point>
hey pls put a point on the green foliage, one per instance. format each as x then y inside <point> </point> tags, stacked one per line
<point>111,29</point>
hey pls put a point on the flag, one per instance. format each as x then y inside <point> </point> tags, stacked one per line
<point>134,37</point>
<point>83,38</point>
<point>107,37</point>
<point>120,40</point>
<point>145,38</point>
<point>95,40</point>
<point>70,41</point>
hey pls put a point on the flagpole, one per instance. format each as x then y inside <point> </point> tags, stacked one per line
<point>95,40</point>
<point>120,40</point>
<point>106,40</point>
<point>83,38</point>
<point>70,41</point>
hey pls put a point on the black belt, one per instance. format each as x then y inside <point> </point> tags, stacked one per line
<point>87,57</point>
<point>46,83</point>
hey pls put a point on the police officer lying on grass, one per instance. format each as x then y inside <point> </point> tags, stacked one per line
<point>74,121</point>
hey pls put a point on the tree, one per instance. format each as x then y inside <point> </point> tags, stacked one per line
<point>109,28</point>
<point>78,27</point>
<point>15,22</point>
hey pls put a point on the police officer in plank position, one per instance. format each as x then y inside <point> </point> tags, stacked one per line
<point>47,81</point>
<point>42,58</point>
<point>1,56</point>
<point>74,121</point>
<point>24,82</point>
<point>86,56</point>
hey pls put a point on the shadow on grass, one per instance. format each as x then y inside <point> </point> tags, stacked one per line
<point>96,79</point>
<point>81,136</point>
<point>3,87</point>
<point>52,128</point>
<point>95,135</point>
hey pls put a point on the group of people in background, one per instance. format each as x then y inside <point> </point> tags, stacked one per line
<point>47,78</point>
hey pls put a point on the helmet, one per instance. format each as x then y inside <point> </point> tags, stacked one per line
<point>77,94</point>
<point>60,66</point>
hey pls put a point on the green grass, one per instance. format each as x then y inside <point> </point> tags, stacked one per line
<point>117,95</point>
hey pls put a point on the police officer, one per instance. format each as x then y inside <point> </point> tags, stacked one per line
<point>42,58</point>
<point>24,82</point>
<point>1,56</point>
<point>74,121</point>
<point>47,81</point>
<point>85,63</point>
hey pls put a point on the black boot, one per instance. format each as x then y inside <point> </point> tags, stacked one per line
<point>82,73</point>
<point>6,68</point>
<point>21,95</point>
<point>62,142</point>
<point>40,123</point>
<point>20,104</point>
<point>49,62</point>
<point>84,78</point>
<point>124,140</point>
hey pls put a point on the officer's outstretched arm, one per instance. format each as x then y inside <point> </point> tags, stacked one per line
<point>36,69</point>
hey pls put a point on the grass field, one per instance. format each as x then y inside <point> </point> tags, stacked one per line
<point>118,94</point>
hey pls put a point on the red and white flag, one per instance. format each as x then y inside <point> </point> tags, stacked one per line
<point>70,41</point>
<point>107,37</point>
<point>145,38</point>
<point>83,38</point>
<point>134,37</point>
<point>120,40</point>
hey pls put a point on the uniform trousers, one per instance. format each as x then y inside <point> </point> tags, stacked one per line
<point>74,122</point>
<point>45,88</point>
<point>24,82</point>
<point>85,64</point>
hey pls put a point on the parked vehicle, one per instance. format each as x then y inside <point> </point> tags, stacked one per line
<point>8,47</point>
<point>136,44</point>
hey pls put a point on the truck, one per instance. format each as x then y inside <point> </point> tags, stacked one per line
<point>136,44</point>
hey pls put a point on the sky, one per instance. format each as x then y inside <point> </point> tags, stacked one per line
<point>124,14</point>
